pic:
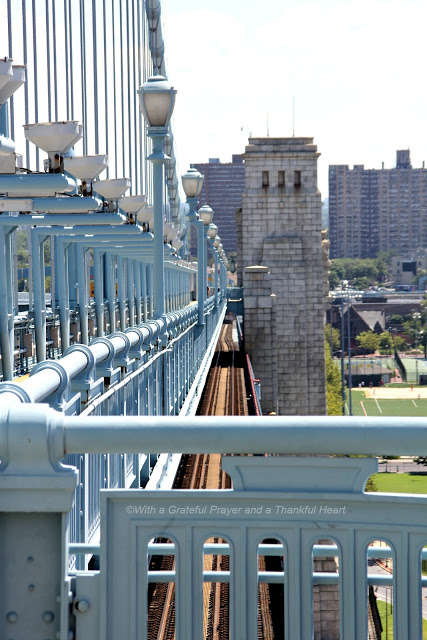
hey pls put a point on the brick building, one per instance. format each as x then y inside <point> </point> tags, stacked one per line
<point>222,190</point>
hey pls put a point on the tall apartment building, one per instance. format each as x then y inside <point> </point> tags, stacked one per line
<point>372,210</point>
<point>222,190</point>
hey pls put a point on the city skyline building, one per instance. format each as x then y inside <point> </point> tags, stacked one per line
<point>373,210</point>
<point>223,186</point>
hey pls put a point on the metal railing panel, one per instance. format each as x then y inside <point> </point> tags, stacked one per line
<point>271,506</point>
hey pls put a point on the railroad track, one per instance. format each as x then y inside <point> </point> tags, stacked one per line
<point>225,394</point>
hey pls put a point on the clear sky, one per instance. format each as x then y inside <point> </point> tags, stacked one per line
<point>357,69</point>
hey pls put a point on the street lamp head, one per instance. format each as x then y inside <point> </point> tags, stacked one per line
<point>212,231</point>
<point>168,144</point>
<point>156,101</point>
<point>217,242</point>
<point>206,214</point>
<point>173,190</point>
<point>192,183</point>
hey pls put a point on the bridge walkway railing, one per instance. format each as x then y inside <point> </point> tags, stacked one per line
<point>153,369</point>
<point>296,502</point>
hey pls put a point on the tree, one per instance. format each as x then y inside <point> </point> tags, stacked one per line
<point>361,283</point>
<point>422,340</point>
<point>334,280</point>
<point>336,342</point>
<point>360,272</point>
<point>333,385</point>
<point>368,340</point>
<point>385,342</point>
<point>421,273</point>
<point>400,344</point>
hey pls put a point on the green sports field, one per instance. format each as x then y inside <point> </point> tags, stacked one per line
<point>380,407</point>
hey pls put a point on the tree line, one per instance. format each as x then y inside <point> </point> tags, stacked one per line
<point>362,273</point>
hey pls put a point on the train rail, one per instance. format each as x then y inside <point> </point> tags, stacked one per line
<point>225,394</point>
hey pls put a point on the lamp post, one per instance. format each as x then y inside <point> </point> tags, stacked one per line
<point>343,283</point>
<point>206,215</point>
<point>416,316</point>
<point>192,183</point>
<point>350,384</point>
<point>157,100</point>
<point>212,231</point>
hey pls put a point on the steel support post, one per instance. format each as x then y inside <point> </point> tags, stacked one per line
<point>137,277</point>
<point>144,291</point>
<point>39,293</point>
<point>170,288</point>
<point>131,291</point>
<point>5,343</point>
<point>166,278</point>
<point>98,257</point>
<point>121,292</point>
<point>10,277</point>
<point>150,290</point>
<point>63,297</point>
<point>4,120</point>
<point>82,293</point>
<point>72,275</point>
<point>111,290</point>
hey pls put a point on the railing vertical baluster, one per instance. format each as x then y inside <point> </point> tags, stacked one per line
<point>361,584</point>
<point>294,591</point>
<point>401,586</point>
<point>251,562</point>
<point>415,544</point>
<point>347,602</point>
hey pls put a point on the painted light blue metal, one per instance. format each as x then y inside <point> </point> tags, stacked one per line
<point>201,286</point>
<point>158,158</point>
<point>35,184</point>
<point>293,500</point>
<point>6,312</point>
<point>61,220</point>
<point>193,219</point>
<point>60,205</point>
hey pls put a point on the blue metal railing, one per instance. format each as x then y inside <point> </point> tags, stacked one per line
<point>296,500</point>
<point>104,379</point>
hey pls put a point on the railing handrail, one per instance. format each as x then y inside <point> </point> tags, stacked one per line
<point>43,383</point>
<point>224,434</point>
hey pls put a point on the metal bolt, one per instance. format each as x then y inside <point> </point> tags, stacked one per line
<point>82,606</point>
<point>11,616</point>
<point>48,617</point>
<point>31,587</point>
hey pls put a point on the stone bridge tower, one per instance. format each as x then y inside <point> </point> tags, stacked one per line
<point>282,269</point>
